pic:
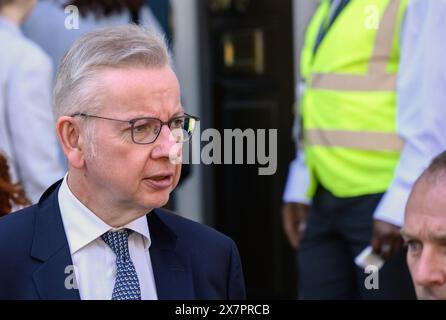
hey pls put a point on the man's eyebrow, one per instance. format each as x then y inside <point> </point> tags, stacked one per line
<point>407,234</point>
<point>145,115</point>
<point>178,113</point>
<point>439,238</point>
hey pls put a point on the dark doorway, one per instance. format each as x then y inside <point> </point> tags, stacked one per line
<point>247,76</point>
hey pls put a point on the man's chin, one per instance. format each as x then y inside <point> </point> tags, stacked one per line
<point>159,202</point>
<point>431,296</point>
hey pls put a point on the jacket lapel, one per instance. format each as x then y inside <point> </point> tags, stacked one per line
<point>171,268</point>
<point>55,278</point>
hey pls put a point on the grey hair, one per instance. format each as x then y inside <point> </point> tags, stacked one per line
<point>128,46</point>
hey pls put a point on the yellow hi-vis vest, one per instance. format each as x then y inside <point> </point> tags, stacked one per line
<point>349,106</point>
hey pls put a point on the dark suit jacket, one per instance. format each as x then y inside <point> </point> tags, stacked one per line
<point>190,260</point>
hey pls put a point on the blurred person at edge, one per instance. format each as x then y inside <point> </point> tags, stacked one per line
<point>373,118</point>
<point>27,136</point>
<point>55,29</point>
<point>10,194</point>
<point>425,220</point>
<point>424,231</point>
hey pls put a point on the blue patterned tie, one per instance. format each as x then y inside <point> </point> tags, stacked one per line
<point>127,284</point>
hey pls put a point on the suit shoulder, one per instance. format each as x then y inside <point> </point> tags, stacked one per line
<point>16,227</point>
<point>189,229</point>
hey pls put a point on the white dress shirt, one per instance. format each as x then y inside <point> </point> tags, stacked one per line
<point>421,109</point>
<point>27,134</point>
<point>94,261</point>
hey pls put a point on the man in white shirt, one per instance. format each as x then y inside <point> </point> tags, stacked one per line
<point>422,96</point>
<point>27,136</point>
<point>49,26</point>
<point>99,234</point>
<point>355,202</point>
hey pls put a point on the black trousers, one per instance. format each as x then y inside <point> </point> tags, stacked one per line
<point>338,229</point>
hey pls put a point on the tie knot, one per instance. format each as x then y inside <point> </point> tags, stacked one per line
<point>118,241</point>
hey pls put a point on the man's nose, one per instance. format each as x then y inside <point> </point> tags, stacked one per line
<point>430,270</point>
<point>166,144</point>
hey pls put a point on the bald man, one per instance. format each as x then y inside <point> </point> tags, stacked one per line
<point>424,231</point>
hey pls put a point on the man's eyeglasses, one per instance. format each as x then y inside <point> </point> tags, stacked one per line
<point>146,130</point>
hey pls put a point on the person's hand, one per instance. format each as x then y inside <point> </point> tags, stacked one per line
<point>386,239</point>
<point>294,217</point>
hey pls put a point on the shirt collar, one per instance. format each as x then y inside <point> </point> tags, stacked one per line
<point>9,26</point>
<point>82,226</point>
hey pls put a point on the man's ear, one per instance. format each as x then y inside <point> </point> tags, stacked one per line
<point>71,140</point>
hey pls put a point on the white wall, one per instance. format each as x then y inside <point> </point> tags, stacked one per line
<point>189,196</point>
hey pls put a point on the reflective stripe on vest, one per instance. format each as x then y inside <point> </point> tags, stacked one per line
<point>362,140</point>
<point>377,78</point>
<point>349,108</point>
